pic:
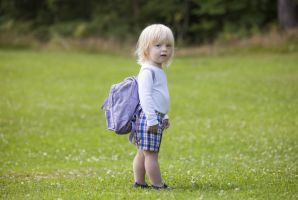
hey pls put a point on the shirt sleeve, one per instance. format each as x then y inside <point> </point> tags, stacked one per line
<point>145,84</point>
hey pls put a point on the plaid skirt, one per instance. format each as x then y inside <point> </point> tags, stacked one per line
<point>144,139</point>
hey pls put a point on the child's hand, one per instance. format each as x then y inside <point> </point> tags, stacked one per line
<point>153,129</point>
<point>166,123</point>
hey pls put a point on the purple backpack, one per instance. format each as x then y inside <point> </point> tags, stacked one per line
<point>122,106</point>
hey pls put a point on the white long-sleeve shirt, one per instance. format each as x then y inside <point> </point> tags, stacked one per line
<point>153,94</point>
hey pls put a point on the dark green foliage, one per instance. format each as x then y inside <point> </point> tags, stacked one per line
<point>191,20</point>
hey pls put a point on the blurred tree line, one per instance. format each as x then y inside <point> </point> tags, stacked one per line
<point>193,21</point>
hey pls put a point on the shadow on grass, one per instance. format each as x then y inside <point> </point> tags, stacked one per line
<point>211,186</point>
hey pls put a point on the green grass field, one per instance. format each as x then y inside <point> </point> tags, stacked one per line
<point>233,135</point>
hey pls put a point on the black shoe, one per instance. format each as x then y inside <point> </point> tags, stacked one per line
<point>143,186</point>
<point>164,187</point>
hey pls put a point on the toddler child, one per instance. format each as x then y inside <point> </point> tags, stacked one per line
<point>155,50</point>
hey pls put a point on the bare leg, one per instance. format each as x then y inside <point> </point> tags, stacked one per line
<point>139,167</point>
<point>152,168</point>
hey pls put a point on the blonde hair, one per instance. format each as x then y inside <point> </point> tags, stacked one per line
<point>151,35</point>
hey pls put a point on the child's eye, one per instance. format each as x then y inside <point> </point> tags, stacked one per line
<point>169,45</point>
<point>157,45</point>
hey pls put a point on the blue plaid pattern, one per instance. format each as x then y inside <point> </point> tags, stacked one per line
<point>145,140</point>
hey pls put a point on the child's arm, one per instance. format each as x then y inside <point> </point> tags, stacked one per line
<point>145,82</point>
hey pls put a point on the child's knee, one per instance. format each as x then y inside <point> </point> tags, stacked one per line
<point>140,153</point>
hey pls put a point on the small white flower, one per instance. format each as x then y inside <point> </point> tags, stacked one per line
<point>193,180</point>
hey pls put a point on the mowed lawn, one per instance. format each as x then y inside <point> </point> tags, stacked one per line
<point>233,134</point>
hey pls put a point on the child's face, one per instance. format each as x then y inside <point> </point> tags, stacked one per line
<point>160,53</point>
